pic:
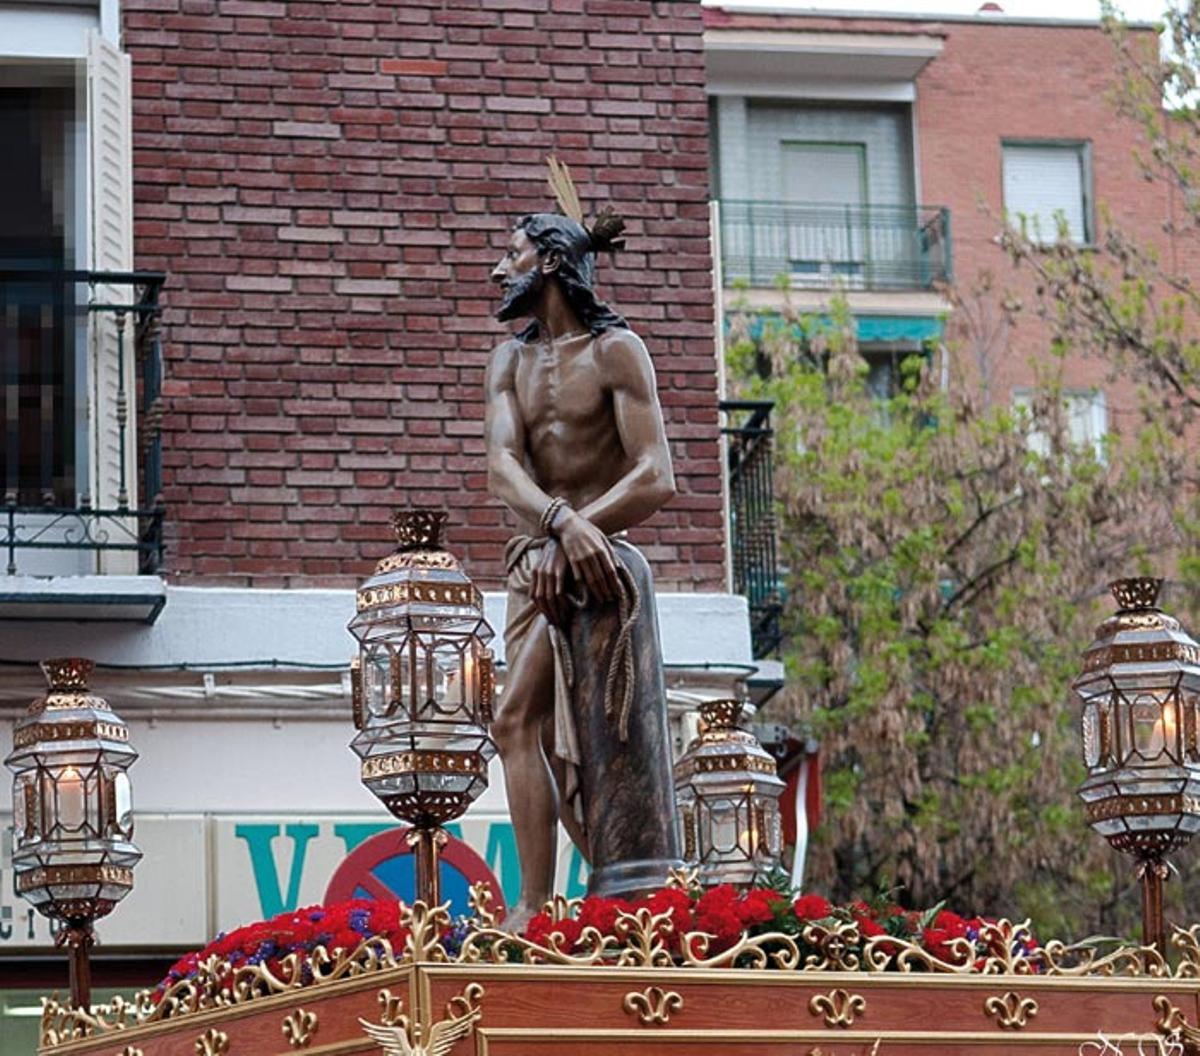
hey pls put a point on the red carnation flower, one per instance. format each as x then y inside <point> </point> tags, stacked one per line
<point>812,907</point>
<point>757,907</point>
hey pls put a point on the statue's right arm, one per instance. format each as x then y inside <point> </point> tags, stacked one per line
<point>504,434</point>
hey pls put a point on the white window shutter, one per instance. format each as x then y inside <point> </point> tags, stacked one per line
<point>1041,181</point>
<point>112,369</point>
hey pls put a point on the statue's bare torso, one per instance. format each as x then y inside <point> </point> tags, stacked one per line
<point>572,444</point>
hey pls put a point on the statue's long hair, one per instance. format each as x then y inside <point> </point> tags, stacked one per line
<point>576,273</point>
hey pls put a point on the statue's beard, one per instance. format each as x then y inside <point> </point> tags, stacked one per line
<point>521,296</point>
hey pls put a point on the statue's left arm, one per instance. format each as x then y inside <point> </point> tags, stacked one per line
<point>649,482</point>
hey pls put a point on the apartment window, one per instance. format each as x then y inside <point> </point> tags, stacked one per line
<point>1087,420</point>
<point>1048,182</point>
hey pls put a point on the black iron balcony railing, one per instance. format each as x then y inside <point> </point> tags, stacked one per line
<point>865,247</point>
<point>752,518</point>
<point>66,338</point>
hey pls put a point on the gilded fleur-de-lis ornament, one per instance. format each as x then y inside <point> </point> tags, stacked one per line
<point>299,1027</point>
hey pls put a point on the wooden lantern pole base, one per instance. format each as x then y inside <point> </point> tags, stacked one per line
<point>79,938</point>
<point>1153,873</point>
<point>426,841</point>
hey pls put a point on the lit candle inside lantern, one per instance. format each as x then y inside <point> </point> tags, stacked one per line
<point>70,798</point>
<point>1166,726</point>
<point>468,676</point>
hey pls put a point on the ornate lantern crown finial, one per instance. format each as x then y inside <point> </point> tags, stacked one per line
<point>68,674</point>
<point>419,528</point>
<point>1137,593</point>
<point>721,714</point>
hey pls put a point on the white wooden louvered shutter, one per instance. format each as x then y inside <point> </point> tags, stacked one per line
<point>1042,180</point>
<point>110,207</point>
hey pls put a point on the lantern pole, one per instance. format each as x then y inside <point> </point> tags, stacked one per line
<point>79,937</point>
<point>426,842</point>
<point>1153,873</point>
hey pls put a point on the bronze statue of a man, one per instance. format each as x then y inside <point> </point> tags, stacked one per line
<point>577,450</point>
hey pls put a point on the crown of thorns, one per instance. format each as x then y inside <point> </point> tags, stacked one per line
<point>606,228</point>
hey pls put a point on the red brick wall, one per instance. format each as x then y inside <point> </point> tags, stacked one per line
<point>328,186</point>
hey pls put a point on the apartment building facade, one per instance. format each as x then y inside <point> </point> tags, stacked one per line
<point>881,155</point>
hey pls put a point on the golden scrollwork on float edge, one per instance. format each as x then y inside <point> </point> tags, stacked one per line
<point>1011,1011</point>
<point>212,1042</point>
<point>1173,1026</point>
<point>838,1007</point>
<point>639,939</point>
<point>652,1005</point>
<point>405,1037</point>
<point>129,1050</point>
<point>299,1027</point>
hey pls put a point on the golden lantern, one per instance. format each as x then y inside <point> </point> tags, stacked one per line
<point>423,684</point>
<point>73,852</point>
<point>727,791</point>
<point>1139,695</point>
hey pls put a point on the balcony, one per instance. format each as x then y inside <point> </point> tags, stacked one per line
<point>852,247</point>
<point>81,367</point>
<point>749,440</point>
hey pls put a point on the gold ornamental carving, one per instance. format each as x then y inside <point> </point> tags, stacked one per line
<point>652,1005</point>
<point>1012,1011</point>
<point>212,1042</point>
<point>839,1007</point>
<point>1173,1026</point>
<point>299,1028</point>
<point>404,1037</point>
<point>129,1050</point>
<point>391,1006</point>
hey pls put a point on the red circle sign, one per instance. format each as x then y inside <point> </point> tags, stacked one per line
<point>383,868</point>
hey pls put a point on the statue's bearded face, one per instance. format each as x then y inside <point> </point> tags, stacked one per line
<point>520,278</point>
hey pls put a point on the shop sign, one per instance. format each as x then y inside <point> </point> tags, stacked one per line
<point>203,874</point>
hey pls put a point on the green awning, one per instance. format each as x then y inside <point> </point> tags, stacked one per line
<point>917,328</point>
<point>869,329</point>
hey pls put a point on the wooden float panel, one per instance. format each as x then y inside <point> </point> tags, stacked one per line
<point>560,1011</point>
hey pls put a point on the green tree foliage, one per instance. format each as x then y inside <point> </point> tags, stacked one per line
<point>945,559</point>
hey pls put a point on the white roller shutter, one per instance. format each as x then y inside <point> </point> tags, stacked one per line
<point>1041,180</point>
<point>110,205</point>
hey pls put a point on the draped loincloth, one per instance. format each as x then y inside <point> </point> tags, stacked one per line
<point>520,559</point>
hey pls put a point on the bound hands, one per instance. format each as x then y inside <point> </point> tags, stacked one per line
<point>582,547</point>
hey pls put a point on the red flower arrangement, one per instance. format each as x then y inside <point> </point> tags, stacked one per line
<point>721,915</point>
<point>343,925</point>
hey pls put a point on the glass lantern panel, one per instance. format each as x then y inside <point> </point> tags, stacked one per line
<point>1146,720</point>
<point>1091,735</point>
<point>721,822</point>
<point>20,816</point>
<point>123,804</point>
<point>1172,727</point>
<point>774,830</point>
<point>1107,747</point>
<point>376,672</point>
<point>451,669</point>
<point>71,798</point>
<point>1191,708</point>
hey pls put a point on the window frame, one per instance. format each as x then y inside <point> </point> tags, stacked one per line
<point>1083,147</point>
<point>1097,409</point>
